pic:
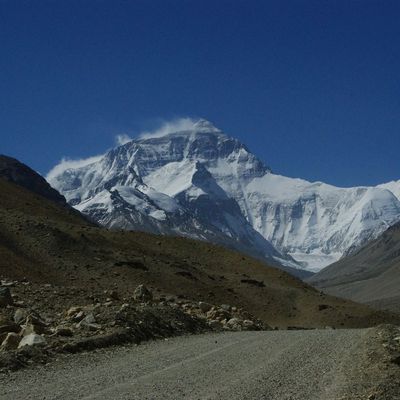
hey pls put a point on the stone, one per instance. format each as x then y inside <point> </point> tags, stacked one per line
<point>28,329</point>
<point>32,340</point>
<point>89,322</point>
<point>234,324</point>
<point>248,324</point>
<point>204,307</point>
<point>91,327</point>
<point>218,314</point>
<point>90,319</point>
<point>73,311</point>
<point>8,283</point>
<point>20,315</point>
<point>34,319</point>
<point>226,307</point>
<point>11,341</point>
<point>79,316</point>
<point>33,324</point>
<point>142,294</point>
<point>215,324</point>
<point>5,297</point>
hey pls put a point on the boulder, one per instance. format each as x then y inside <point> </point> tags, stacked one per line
<point>226,307</point>
<point>20,315</point>
<point>11,341</point>
<point>215,324</point>
<point>248,324</point>
<point>234,324</point>
<point>142,294</point>
<point>34,324</point>
<point>28,329</point>
<point>78,316</point>
<point>32,340</point>
<point>73,311</point>
<point>89,319</point>
<point>5,297</point>
<point>218,314</point>
<point>89,322</point>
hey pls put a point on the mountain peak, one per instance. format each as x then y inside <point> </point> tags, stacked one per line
<point>202,125</point>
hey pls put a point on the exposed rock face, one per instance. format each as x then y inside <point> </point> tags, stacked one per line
<point>204,184</point>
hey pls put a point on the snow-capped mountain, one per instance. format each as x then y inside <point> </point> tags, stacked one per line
<point>198,182</point>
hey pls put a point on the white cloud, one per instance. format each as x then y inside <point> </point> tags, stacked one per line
<point>67,163</point>
<point>122,139</point>
<point>176,125</point>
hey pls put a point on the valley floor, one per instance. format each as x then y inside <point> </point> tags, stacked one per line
<point>309,364</point>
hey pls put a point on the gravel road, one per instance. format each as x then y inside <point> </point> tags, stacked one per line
<point>242,365</point>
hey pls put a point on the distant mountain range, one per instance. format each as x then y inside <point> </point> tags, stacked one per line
<point>199,182</point>
<point>371,275</point>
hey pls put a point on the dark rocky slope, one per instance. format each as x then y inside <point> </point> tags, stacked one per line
<point>13,170</point>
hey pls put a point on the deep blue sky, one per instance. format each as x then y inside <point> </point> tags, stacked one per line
<point>312,87</point>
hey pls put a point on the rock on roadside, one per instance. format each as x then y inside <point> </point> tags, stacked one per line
<point>32,340</point>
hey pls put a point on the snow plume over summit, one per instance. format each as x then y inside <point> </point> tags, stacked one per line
<point>223,193</point>
<point>69,163</point>
<point>180,125</point>
<point>122,139</point>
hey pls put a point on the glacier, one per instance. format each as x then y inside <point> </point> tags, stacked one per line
<point>199,182</point>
